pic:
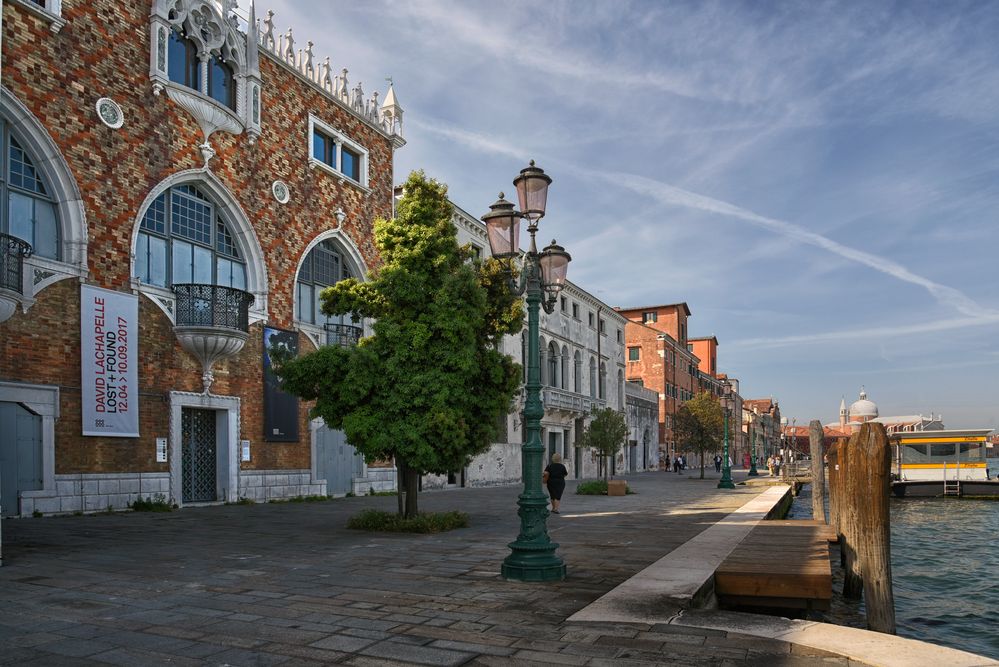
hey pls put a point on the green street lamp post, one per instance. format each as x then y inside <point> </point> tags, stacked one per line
<point>542,276</point>
<point>726,480</point>
<point>753,472</point>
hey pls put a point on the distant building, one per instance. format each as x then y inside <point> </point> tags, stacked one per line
<point>864,410</point>
<point>657,358</point>
<point>762,426</point>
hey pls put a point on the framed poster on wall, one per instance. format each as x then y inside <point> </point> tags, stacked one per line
<point>280,407</point>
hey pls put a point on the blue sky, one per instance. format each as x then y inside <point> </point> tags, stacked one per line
<point>818,181</point>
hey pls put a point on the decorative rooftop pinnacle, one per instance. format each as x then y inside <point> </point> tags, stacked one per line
<point>387,116</point>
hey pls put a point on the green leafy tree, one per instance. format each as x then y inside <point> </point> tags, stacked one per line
<point>699,426</point>
<point>428,387</point>
<point>605,434</point>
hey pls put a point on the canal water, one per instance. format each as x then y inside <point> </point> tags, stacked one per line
<point>945,570</point>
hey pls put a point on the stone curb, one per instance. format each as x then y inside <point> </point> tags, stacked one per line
<point>870,648</point>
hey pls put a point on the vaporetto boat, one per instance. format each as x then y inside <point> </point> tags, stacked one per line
<point>943,463</point>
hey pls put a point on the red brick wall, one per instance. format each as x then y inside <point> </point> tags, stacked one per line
<point>103,51</point>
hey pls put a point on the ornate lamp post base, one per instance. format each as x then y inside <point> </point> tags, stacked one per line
<point>532,556</point>
<point>524,564</point>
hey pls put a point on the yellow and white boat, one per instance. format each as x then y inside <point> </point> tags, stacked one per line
<point>942,463</point>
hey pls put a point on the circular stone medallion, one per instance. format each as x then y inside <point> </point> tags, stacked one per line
<point>110,113</point>
<point>280,191</point>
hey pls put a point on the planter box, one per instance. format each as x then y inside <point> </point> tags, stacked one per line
<point>617,487</point>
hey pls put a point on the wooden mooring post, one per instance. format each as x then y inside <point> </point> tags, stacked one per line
<point>815,436</point>
<point>862,481</point>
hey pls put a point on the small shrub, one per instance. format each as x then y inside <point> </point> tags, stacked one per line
<point>243,501</point>
<point>432,522</point>
<point>36,514</point>
<point>157,503</point>
<point>78,513</point>
<point>592,487</point>
<point>597,487</point>
<point>350,494</point>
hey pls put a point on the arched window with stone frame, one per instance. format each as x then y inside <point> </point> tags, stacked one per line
<point>185,69</point>
<point>602,383</point>
<point>564,360</point>
<point>577,372</point>
<point>27,203</point>
<point>326,264</point>
<point>184,239</point>
<point>620,389</point>
<point>593,377</point>
<point>554,372</point>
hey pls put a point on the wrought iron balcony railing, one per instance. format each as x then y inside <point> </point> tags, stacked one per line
<point>212,306</point>
<point>12,253</point>
<point>344,335</point>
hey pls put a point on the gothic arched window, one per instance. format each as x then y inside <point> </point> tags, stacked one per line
<point>27,209</point>
<point>323,267</point>
<point>593,377</point>
<point>184,66</point>
<point>577,373</point>
<point>183,239</point>
<point>554,374</point>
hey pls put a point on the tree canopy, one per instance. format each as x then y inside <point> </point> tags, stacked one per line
<point>699,425</point>
<point>429,386</point>
<point>605,433</point>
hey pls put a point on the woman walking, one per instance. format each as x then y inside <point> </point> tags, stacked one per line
<point>555,475</point>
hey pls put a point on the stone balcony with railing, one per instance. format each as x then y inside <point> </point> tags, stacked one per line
<point>212,323</point>
<point>569,401</point>
<point>12,253</point>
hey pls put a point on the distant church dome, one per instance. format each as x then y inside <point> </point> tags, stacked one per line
<point>863,410</point>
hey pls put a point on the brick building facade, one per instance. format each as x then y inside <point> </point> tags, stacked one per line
<point>657,357</point>
<point>150,144</point>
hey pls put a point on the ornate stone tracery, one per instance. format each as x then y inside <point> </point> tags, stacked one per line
<point>213,30</point>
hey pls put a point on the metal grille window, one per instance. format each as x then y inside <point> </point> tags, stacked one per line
<point>322,268</point>
<point>197,246</point>
<point>27,209</point>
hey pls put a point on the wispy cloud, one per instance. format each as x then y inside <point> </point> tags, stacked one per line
<point>675,196</point>
<point>872,333</point>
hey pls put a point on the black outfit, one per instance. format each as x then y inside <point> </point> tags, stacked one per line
<point>556,480</point>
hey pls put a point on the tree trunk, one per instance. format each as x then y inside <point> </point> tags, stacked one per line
<point>412,492</point>
<point>872,472</point>
<point>815,436</point>
<point>400,493</point>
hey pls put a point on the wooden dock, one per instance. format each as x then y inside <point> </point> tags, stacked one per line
<point>780,564</point>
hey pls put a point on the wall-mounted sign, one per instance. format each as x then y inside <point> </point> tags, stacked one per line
<point>244,450</point>
<point>109,362</point>
<point>280,407</point>
<point>161,450</point>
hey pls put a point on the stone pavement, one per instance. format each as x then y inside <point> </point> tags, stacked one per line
<point>288,584</point>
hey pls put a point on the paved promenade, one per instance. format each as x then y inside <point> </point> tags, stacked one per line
<point>288,584</point>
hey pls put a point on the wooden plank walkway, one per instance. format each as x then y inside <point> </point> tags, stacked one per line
<point>781,564</point>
